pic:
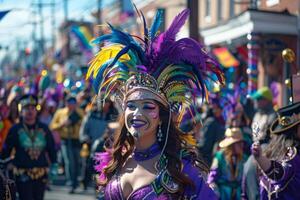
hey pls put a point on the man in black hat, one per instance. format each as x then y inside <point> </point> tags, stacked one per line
<point>281,159</point>
<point>34,150</point>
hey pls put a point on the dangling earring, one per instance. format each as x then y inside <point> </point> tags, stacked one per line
<point>159,134</point>
<point>128,134</point>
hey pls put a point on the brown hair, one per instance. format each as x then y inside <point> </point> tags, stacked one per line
<point>228,153</point>
<point>123,146</point>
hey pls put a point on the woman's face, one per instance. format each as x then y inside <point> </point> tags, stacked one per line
<point>238,147</point>
<point>142,117</point>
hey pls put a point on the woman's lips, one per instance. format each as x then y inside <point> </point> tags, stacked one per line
<point>136,123</point>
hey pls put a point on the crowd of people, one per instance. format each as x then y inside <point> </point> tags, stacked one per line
<point>145,136</point>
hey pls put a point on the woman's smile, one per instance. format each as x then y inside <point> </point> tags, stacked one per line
<point>137,123</point>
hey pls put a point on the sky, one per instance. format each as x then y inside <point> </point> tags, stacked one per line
<point>18,23</point>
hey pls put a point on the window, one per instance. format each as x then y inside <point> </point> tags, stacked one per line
<point>272,2</point>
<point>231,8</point>
<point>219,14</point>
<point>207,10</point>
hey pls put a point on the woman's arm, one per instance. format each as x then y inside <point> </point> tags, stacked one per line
<point>274,170</point>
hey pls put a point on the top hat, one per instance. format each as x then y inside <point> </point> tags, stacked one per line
<point>288,117</point>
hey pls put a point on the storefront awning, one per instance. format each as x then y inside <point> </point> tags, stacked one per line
<point>257,21</point>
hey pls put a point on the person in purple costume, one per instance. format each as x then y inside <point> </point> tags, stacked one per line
<point>156,80</point>
<point>281,160</point>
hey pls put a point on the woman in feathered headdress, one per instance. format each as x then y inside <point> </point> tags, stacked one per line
<point>156,80</point>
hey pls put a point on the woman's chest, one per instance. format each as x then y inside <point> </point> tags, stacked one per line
<point>133,179</point>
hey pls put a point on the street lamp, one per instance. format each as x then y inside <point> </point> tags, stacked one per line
<point>288,57</point>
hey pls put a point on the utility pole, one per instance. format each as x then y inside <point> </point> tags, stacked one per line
<point>40,10</point>
<point>193,19</point>
<point>53,23</point>
<point>40,5</point>
<point>99,19</point>
<point>66,29</point>
<point>34,47</point>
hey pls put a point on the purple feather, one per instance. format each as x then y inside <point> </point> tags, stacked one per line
<point>274,89</point>
<point>102,160</point>
<point>142,68</point>
<point>169,35</point>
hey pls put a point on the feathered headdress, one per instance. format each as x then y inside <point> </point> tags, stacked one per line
<point>157,66</point>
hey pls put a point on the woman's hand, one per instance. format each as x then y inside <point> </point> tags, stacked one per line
<point>256,150</point>
<point>262,160</point>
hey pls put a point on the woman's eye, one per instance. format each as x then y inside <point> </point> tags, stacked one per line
<point>149,107</point>
<point>130,106</point>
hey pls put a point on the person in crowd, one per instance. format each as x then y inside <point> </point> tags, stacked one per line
<point>106,140</point>
<point>150,157</point>
<point>227,166</point>
<point>92,127</point>
<point>95,121</point>
<point>13,115</point>
<point>45,114</point>
<point>263,118</point>
<point>34,148</point>
<point>235,115</point>
<point>5,123</point>
<point>250,181</point>
<point>66,121</point>
<point>265,113</point>
<point>212,131</point>
<point>240,119</point>
<point>280,161</point>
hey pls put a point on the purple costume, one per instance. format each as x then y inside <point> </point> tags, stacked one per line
<point>113,189</point>
<point>282,180</point>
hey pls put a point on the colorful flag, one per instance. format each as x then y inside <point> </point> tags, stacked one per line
<point>225,58</point>
<point>83,35</point>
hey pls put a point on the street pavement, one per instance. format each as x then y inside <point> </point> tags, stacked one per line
<point>62,193</point>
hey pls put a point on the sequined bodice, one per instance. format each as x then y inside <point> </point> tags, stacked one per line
<point>113,191</point>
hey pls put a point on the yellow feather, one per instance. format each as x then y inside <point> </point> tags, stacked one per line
<point>103,56</point>
<point>189,139</point>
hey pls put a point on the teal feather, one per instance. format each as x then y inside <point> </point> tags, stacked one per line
<point>156,24</point>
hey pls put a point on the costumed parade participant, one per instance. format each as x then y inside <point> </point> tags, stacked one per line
<point>157,82</point>
<point>281,159</point>
<point>227,166</point>
<point>34,146</point>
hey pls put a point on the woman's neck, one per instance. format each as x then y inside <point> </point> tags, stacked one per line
<point>144,142</point>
